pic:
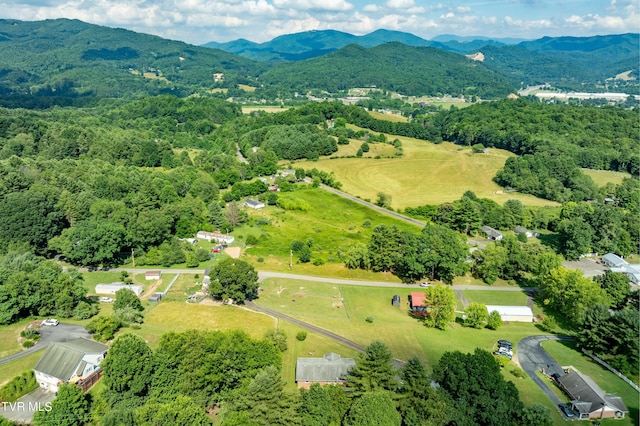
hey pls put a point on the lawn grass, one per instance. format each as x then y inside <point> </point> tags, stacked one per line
<point>332,223</point>
<point>10,335</point>
<point>496,297</point>
<point>185,285</point>
<point>603,177</point>
<point>567,354</point>
<point>427,173</point>
<point>14,368</point>
<point>180,316</point>
<point>321,304</point>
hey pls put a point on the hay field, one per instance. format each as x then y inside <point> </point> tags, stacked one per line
<point>603,177</point>
<point>426,174</point>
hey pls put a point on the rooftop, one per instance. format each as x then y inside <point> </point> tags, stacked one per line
<point>330,368</point>
<point>62,359</point>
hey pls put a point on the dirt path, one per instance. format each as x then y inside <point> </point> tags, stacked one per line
<point>151,290</point>
<point>234,252</point>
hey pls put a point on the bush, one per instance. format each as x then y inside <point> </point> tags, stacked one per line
<point>317,261</point>
<point>518,372</point>
<point>369,320</point>
<point>28,343</point>
<point>18,387</point>
<point>366,224</point>
<point>260,259</point>
<point>30,333</point>
<point>85,310</point>
<point>301,336</point>
<point>278,338</point>
<point>548,324</point>
<point>251,240</point>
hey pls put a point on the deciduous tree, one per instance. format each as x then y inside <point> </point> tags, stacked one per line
<point>233,279</point>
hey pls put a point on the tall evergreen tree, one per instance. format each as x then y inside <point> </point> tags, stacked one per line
<point>373,370</point>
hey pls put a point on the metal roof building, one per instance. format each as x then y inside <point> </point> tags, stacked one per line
<point>330,369</point>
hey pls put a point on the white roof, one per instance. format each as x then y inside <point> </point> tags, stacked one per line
<point>510,310</point>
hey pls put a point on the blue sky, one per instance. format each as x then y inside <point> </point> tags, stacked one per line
<point>200,21</point>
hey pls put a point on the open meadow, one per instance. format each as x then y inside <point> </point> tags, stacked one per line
<point>427,173</point>
<point>603,177</point>
<point>331,224</point>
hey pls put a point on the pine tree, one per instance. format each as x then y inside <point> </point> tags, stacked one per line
<point>373,370</point>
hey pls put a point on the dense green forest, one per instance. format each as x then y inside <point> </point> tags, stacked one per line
<point>392,66</point>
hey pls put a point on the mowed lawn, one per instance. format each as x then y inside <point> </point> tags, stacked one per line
<point>427,173</point>
<point>603,177</point>
<point>567,354</point>
<point>16,367</point>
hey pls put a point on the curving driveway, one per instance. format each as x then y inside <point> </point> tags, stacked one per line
<point>532,357</point>
<point>60,333</point>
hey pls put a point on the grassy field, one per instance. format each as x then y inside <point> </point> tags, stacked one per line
<point>603,177</point>
<point>375,149</point>
<point>426,174</point>
<point>344,309</point>
<point>9,335</point>
<point>332,223</point>
<point>14,368</point>
<point>388,117</point>
<point>496,297</point>
<point>567,354</point>
<point>265,108</point>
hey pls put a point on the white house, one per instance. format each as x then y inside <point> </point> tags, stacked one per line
<point>214,236</point>
<point>512,313</point>
<point>114,287</point>
<point>68,362</point>
<point>523,230</point>
<point>617,264</point>
<point>491,233</point>
<point>254,204</point>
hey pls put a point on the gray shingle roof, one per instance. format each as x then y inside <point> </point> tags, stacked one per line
<point>329,368</point>
<point>62,359</point>
<point>587,395</point>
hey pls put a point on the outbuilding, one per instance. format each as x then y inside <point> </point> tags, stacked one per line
<point>254,204</point>
<point>512,313</point>
<point>395,300</point>
<point>114,287</point>
<point>152,275</point>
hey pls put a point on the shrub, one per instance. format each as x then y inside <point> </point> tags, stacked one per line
<point>369,320</point>
<point>278,338</point>
<point>18,387</point>
<point>548,324</point>
<point>318,261</point>
<point>301,336</point>
<point>251,240</point>
<point>85,310</point>
<point>366,224</point>
<point>28,343</point>
<point>518,372</point>
<point>260,259</point>
<point>30,333</point>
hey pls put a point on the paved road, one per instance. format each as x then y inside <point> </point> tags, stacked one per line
<point>22,411</point>
<point>532,357</point>
<point>60,333</point>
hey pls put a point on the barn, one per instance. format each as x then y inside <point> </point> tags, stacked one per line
<point>512,313</point>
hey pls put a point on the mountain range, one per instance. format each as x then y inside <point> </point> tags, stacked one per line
<point>73,59</point>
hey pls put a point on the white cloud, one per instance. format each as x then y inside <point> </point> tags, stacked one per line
<point>463,9</point>
<point>399,4</point>
<point>313,4</point>
<point>371,8</point>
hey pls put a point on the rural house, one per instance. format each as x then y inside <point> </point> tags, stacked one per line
<point>617,264</point>
<point>331,369</point>
<point>254,204</point>
<point>417,304</point>
<point>491,233</point>
<point>69,362</point>
<point>588,400</point>
<point>523,230</point>
<point>152,275</point>
<point>214,236</point>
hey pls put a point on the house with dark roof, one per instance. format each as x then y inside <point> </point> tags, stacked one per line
<point>588,400</point>
<point>491,233</point>
<point>522,230</point>
<point>254,204</point>
<point>69,362</point>
<point>331,369</point>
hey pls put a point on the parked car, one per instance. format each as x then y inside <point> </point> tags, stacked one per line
<point>504,354</point>
<point>51,321</point>
<point>502,343</point>
<point>424,284</point>
<point>106,299</point>
<point>566,410</point>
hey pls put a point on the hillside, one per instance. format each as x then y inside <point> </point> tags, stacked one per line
<point>566,60</point>
<point>311,44</point>
<point>65,57</point>
<point>392,66</point>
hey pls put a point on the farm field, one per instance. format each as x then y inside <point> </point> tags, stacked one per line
<point>375,149</point>
<point>567,354</point>
<point>603,177</point>
<point>426,174</point>
<point>332,223</point>
<point>388,117</point>
<point>265,108</point>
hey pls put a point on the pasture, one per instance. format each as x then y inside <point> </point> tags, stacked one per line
<point>332,224</point>
<point>426,174</point>
<point>603,177</point>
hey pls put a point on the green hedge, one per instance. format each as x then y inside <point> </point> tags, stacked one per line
<point>18,387</point>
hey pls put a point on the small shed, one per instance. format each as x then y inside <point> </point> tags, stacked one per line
<point>417,304</point>
<point>395,300</point>
<point>512,313</point>
<point>114,287</point>
<point>152,275</point>
<point>523,230</point>
<point>156,297</point>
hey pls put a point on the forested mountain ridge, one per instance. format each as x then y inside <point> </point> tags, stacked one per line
<point>310,44</point>
<point>391,66</point>
<point>72,58</point>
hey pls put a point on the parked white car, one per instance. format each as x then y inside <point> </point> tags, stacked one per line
<point>424,284</point>
<point>51,321</point>
<point>106,299</point>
